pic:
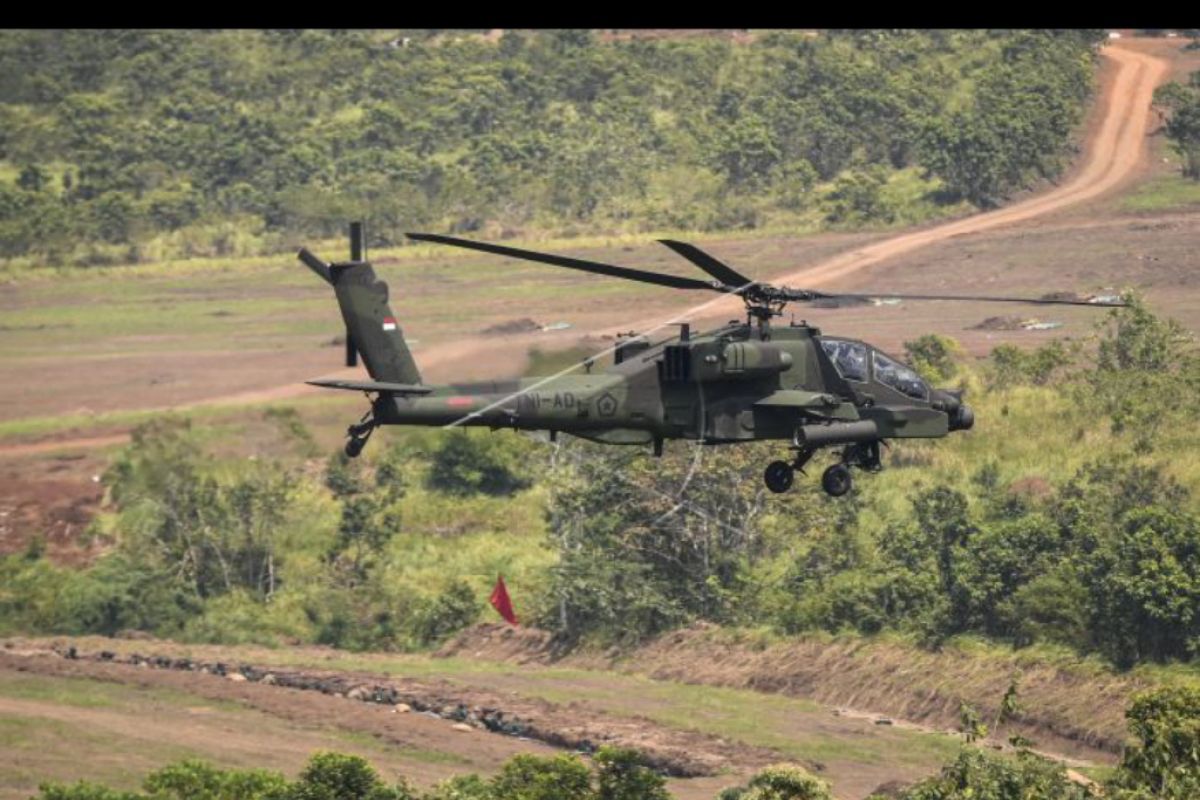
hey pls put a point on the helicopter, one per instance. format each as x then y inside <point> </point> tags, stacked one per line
<point>746,381</point>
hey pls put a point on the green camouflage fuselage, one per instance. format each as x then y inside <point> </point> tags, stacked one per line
<point>728,385</point>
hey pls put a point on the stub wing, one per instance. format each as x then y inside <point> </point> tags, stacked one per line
<point>373,386</point>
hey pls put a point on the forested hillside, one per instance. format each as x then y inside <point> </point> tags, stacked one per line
<point>120,146</point>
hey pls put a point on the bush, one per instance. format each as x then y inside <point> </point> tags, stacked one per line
<point>780,782</point>
<point>466,463</point>
<point>447,613</point>
<point>82,791</point>
<point>335,776</point>
<point>977,776</point>
<point>1164,761</point>
<point>622,774</point>
<point>934,356</point>
<point>198,780</point>
<point>527,777</point>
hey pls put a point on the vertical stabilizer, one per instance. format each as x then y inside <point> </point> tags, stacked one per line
<point>371,324</point>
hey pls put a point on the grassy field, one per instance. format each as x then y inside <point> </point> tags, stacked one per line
<point>854,753</point>
<point>1165,193</point>
<point>64,729</point>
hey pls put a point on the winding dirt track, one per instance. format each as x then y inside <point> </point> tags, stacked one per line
<point>1111,155</point>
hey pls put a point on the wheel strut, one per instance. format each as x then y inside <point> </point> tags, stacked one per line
<point>359,433</point>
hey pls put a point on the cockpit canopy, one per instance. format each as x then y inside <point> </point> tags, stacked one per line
<point>854,359</point>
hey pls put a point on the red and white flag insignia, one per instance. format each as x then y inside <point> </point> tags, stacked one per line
<point>389,323</point>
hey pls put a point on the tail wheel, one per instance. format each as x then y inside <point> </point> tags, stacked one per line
<point>836,481</point>
<point>779,476</point>
<point>355,446</point>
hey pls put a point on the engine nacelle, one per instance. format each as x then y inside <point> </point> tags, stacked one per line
<point>753,360</point>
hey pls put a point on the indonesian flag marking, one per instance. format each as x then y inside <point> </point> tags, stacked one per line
<point>389,323</point>
<point>460,401</point>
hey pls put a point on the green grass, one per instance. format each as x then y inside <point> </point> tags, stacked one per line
<point>1163,194</point>
<point>216,423</point>
<point>91,729</point>
<point>87,693</point>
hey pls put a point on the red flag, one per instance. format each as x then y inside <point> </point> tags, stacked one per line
<point>501,602</point>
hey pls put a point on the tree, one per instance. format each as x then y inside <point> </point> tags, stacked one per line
<point>465,463</point>
<point>974,775</point>
<point>1164,761</point>
<point>622,774</point>
<point>1179,104</point>
<point>526,777</point>
<point>334,776</point>
<point>780,782</point>
<point>933,355</point>
<point>199,780</point>
<point>643,545</point>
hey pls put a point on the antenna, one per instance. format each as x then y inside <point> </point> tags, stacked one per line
<point>357,245</point>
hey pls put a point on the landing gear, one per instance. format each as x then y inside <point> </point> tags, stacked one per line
<point>836,480</point>
<point>359,434</point>
<point>779,476</point>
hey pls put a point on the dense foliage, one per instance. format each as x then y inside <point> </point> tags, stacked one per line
<point>214,549</point>
<point>132,145</point>
<point>1181,106</point>
<point>1106,561</point>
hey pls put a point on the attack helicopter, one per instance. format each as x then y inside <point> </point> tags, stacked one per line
<point>746,381</point>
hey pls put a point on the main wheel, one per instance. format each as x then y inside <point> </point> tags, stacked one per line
<point>836,480</point>
<point>779,476</point>
<point>355,446</point>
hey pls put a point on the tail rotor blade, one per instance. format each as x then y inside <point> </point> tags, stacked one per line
<point>316,265</point>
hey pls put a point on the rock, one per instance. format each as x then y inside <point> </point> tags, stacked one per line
<point>884,721</point>
<point>236,677</point>
<point>462,726</point>
<point>522,325</point>
<point>269,679</point>
<point>357,693</point>
<point>402,708</point>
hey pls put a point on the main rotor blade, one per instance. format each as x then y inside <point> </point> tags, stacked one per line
<point>803,294</point>
<point>569,263</point>
<point>719,270</point>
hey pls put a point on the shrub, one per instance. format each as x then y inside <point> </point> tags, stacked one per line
<point>447,613</point>
<point>1164,761</point>
<point>976,776</point>
<point>526,777</point>
<point>465,463</point>
<point>199,780</point>
<point>335,776</point>
<point>622,774</point>
<point>780,782</point>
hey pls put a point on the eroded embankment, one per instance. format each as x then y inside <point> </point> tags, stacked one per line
<point>1074,712</point>
<point>678,753</point>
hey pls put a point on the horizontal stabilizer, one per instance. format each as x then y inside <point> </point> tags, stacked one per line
<point>373,386</point>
